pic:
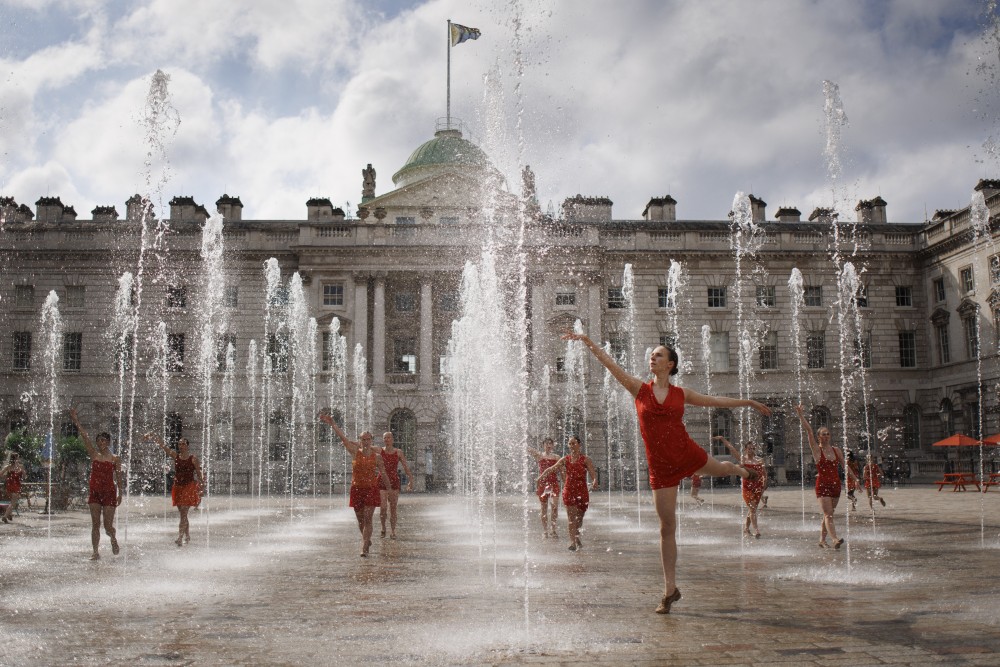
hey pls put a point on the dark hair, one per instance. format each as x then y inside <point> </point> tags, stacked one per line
<point>850,455</point>
<point>105,436</point>
<point>672,355</point>
<point>548,440</point>
<point>574,436</point>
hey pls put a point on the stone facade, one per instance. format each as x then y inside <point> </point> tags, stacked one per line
<point>392,279</point>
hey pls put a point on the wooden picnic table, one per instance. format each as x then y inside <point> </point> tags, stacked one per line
<point>959,480</point>
<point>994,480</point>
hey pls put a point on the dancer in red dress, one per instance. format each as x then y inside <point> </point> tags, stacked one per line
<point>12,474</point>
<point>188,483</point>
<point>392,457</point>
<point>828,460</point>
<point>753,489</point>
<point>548,485</point>
<point>873,481</point>
<point>366,469</point>
<point>105,470</point>
<point>576,497</point>
<point>696,489</point>
<point>671,453</point>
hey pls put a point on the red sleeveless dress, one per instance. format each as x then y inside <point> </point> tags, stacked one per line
<point>827,476</point>
<point>671,453</point>
<point>13,483</point>
<point>752,491</point>
<point>364,481</point>
<point>102,484</point>
<point>185,490</point>
<point>873,477</point>
<point>548,485</point>
<point>575,493</point>
<point>391,462</point>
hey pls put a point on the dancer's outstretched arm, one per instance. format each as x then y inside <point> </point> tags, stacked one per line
<point>691,397</point>
<point>732,450</point>
<point>406,469</point>
<point>556,467</point>
<point>152,437</point>
<point>84,436</point>
<point>625,379</point>
<point>349,445</point>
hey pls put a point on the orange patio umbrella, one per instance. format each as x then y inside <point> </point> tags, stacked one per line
<point>957,440</point>
<point>992,439</point>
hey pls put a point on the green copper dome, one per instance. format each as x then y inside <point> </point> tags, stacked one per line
<point>447,148</point>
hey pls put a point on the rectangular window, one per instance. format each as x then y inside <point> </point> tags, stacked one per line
<point>861,298</point>
<point>22,350</point>
<point>448,301</point>
<point>939,294</point>
<point>406,220</point>
<point>222,351</point>
<point>333,294</point>
<point>716,297</point>
<point>816,349</point>
<point>766,296</point>
<point>907,349</point>
<point>944,349</point>
<point>566,298</point>
<point>280,296</point>
<point>405,302</point>
<point>995,269</point>
<point>175,353</point>
<point>769,351</point>
<point>449,220</point>
<point>74,296</point>
<point>231,296</point>
<point>176,297</point>
<point>668,339</point>
<point>404,355</point>
<point>664,298</point>
<point>24,296</point>
<point>560,364</point>
<point>971,337</point>
<point>72,351</point>
<point>863,350</point>
<point>967,280</point>
<point>616,297</point>
<point>619,348</point>
<point>904,296</point>
<point>812,296</point>
<point>719,351</point>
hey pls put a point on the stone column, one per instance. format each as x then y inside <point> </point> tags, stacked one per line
<point>378,331</point>
<point>595,306</point>
<point>539,324</point>
<point>426,357</point>
<point>360,328</point>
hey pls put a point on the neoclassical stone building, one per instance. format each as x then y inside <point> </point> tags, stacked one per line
<point>389,273</point>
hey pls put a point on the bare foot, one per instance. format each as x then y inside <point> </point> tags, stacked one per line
<point>96,556</point>
<point>114,546</point>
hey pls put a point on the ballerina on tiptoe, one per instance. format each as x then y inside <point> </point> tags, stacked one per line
<point>671,453</point>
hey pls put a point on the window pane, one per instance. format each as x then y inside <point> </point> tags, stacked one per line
<point>616,297</point>
<point>72,351</point>
<point>904,296</point>
<point>22,351</point>
<point>333,295</point>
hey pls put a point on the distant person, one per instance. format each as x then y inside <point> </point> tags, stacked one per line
<point>828,460</point>
<point>12,474</point>
<point>188,483</point>
<point>576,497</point>
<point>547,488</point>
<point>671,453</point>
<point>107,484</point>
<point>696,489</point>
<point>752,489</point>
<point>873,481</point>
<point>852,478</point>
<point>366,469</point>
<point>392,458</point>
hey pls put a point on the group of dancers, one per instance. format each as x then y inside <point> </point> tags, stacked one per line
<point>672,455</point>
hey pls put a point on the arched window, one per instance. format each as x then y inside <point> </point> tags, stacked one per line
<point>974,421</point>
<point>403,424</point>
<point>911,427</point>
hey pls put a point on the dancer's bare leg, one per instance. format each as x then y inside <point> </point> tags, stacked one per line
<point>665,501</point>
<point>109,526</point>
<point>715,468</point>
<point>9,514</point>
<point>573,519</point>
<point>95,528</point>
<point>555,515</point>
<point>368,515</point>
<point>383,508</point>
<point>544,500</point>
<point>393,496</point>
<point>828,505</point>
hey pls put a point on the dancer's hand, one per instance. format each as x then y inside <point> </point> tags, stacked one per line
<point>326,419</point>
<point>761,408</point>
<point>572,335</point>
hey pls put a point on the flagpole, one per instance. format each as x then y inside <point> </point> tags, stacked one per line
<point>448,87</point>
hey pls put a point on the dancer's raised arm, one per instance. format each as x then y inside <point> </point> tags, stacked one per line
<point>349,445</point>
<point>152,437</point>
<point>732,450</point>
<point>84,436</point>
<point>810,434</point>
<point>625,379</point>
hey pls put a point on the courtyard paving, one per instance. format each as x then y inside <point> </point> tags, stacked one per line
<point>281,583</point>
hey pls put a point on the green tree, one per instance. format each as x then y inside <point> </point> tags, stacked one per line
<point>28,446</point>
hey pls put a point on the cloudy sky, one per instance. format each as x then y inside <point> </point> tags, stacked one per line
<point>276,101</point>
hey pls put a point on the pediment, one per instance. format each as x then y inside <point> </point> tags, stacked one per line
<point>994,299</point>
<point>940,316</point>
<point>452,191</point>
<point>967,307</point>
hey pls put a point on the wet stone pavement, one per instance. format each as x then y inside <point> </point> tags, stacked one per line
<point>282,584</point>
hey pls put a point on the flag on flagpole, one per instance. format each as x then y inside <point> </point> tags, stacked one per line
<point>459,33</point>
